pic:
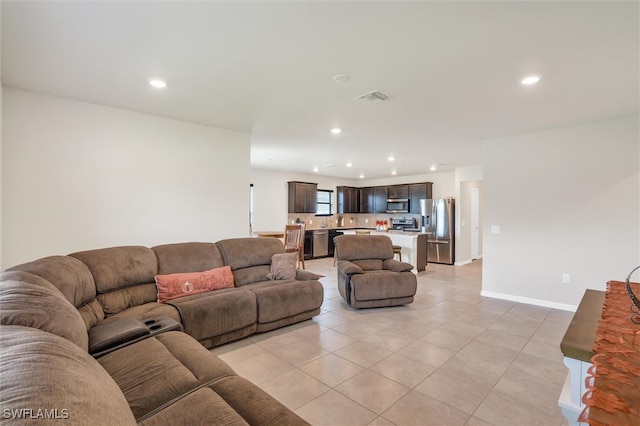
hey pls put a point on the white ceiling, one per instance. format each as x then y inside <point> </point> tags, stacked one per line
<point>452,70</point>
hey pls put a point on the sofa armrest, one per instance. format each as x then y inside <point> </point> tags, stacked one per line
<point>348,267</point>
<point>396,266</point>
<point>113,335</point>
<point>304,275</point>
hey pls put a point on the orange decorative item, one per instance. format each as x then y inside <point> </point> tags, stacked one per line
<point>612,397</point>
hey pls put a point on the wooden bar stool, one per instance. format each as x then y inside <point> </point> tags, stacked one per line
<point>397,250</point>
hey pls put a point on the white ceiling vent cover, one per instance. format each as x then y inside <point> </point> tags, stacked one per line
<point>374,96</point>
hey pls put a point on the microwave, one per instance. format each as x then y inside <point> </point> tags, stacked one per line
<point>398,205</point>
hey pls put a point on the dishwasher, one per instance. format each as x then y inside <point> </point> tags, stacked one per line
<point>321,243</point>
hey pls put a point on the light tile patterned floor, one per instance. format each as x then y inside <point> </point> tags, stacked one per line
<point>450,358</point>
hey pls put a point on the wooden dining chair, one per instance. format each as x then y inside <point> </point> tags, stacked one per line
<point>294,241</point>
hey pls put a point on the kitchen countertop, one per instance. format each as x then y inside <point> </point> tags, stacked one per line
<point>389,232</point>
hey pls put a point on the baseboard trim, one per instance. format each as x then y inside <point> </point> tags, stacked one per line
<point>468,261</point>
<point>529,301</point>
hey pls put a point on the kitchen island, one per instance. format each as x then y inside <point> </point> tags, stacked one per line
<point>413,245</point>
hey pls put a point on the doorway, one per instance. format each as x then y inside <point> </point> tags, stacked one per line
<point>475,223</point>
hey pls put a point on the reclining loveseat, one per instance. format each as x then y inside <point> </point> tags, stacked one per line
<point>369,276</point>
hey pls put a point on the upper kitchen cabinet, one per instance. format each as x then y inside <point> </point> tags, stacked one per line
<point>347,199</point>
<point>302,197</point>
<point>379,199</point>
<point>366,200</point>
<point>417,192</point>
<point>398,192</point>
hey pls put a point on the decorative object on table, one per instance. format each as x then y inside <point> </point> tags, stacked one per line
<point>635,307</point>
<point>612,397</point>
<point>381,225</point>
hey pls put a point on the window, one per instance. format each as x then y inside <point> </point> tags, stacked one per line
<point>324,198</point>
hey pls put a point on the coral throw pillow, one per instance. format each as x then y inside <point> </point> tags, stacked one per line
<point>172,286</point>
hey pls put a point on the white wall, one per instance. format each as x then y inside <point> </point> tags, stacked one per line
<point>1,132</point>
<point>80,176</point>
<point>567,200</point>
<point>270,195</point>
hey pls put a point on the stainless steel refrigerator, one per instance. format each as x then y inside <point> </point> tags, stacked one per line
<point>438,218</point>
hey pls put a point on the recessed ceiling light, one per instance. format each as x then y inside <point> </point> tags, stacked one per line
<point>315,169</point>
<point>336,130</point>
<point>530,79</point>
<point>433,168</point>
<point>361,176</point>
<point>393,172</point>
<point>391,158</point>
<point>349,164</point>
<point>157,83</point>
<point>341,78</point>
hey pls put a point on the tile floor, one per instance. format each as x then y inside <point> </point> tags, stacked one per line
<point>450,358</point>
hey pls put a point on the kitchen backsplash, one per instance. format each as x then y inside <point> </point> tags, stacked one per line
<point>351,220</point>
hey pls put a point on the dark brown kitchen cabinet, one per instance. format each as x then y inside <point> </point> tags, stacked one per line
<point>302,197</point>
<point>417,192</point>
<point>347,199</point>
<point>398,191</point>
<point>366,200</point>
<point>379,199</point>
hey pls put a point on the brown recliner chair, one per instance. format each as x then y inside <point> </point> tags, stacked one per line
<point>368,276</point>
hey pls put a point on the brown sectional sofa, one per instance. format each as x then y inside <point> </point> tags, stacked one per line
<point>51,307</point>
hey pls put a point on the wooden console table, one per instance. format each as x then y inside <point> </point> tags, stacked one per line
<point>602,350</point>
<point>612,396</point>
<point>577,348</point>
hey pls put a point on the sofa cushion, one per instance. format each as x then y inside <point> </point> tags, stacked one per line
<point>369,264</point>
<point>283,266</point>
<point>383,285</point>
<point>396,266</point>
<point>146,311</point>
<point>282,299</point>
<point>69,275</point>
<point>41,306</point>
<point>187,257</point>
<point>207,315</point>
<point>202,407</point>
<point>249,258</point>
<point>157,370</point>
<point>253,404</point>
<point>119,300</point>
<point>172,286</point>
<point>44,371</point>
<point>358,247</point>
<point>118,267</point>
<point>91,313</point>
<point>148,375</point>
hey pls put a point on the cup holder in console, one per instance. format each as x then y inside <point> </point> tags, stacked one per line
<point>161,324</point>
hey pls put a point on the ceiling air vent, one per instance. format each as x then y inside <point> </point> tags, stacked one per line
<point>374,96</point>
